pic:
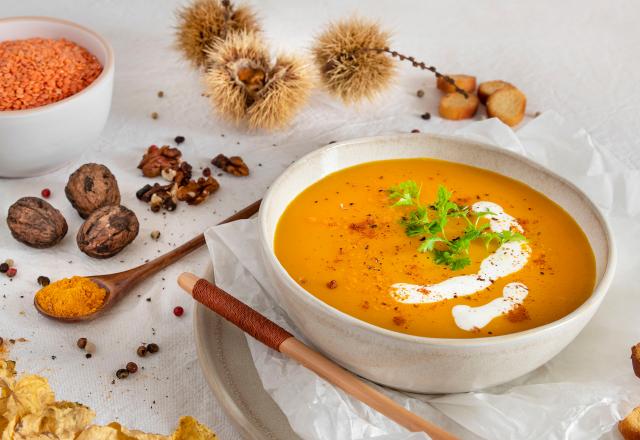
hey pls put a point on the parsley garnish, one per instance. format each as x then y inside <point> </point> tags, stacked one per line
<point>429,223</point>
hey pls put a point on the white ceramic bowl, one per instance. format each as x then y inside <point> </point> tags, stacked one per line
<point>420,364</point>
<point>42,139</point>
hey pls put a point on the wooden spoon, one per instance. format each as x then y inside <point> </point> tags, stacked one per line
<point>119,284</point>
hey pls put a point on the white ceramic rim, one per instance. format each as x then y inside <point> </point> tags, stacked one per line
<point>107,68</point>
<point>596,297</point>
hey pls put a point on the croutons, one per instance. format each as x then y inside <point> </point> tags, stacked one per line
<point>465,82</point>
<point>486,89</point>
<point>507,104</point>
<point>635,359</point>
<point>455,106</point>
<point>629,427</point>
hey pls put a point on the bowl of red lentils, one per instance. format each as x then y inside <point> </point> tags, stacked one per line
<point>56,83</point>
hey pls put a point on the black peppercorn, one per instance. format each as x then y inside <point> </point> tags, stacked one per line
<point>82,343</point>
<point>88,355</point>
<point>426,116</point>
<point>153,348</point>
<point>420,93</point>
<point>179,139</point>
<point>142,351</point>
<point>4,267</point>
<point>132,367</point>
<point>122,373</point>
<point>43,281</point>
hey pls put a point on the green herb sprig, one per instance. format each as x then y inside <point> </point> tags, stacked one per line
<point>429,223</point>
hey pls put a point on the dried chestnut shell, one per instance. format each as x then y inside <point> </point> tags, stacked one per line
<point>107,231</point>
<point>90,187</point>
<point>36,223</point>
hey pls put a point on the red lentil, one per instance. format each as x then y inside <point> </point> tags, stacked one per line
<point>41,71</point>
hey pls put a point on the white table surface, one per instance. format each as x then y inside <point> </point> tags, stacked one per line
<point>576,57</point>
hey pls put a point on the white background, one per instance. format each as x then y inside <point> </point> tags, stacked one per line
<point>576,57</point>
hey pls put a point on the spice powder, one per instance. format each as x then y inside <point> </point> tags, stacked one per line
<point>71,297</point>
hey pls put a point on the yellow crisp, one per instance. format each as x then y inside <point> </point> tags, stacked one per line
<point>28,411</point>
<point>71,297</point>
<point>61,419</point>
<point>98,433</point>
<point>29,395</point>
<point>130,434</point>
<point>114,431</point>
<point>190,429</point>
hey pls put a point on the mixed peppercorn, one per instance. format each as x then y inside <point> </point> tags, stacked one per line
<point>8,268</point>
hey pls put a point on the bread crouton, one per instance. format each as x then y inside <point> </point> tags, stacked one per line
<point>455,106</point>
<point>635,359</point>
<point>465,82</point>
<point>629,427</point>
<point>507,104</point>
<point>487,88</point>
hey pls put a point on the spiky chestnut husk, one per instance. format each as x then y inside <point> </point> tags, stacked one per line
<point>204,22</point>
<point>245,87</point>
<point>349,67</point>
<point>242,52</point>
<point>355,62</point>
<point>285,93</point>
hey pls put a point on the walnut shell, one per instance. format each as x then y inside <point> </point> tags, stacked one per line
<point>90,187</point>
<point>36,223</point>
<point>107,231</point>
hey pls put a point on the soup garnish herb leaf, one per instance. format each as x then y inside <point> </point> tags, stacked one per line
<point>429,223</point>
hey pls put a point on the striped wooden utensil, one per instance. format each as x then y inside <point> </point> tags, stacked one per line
<point>277,338</point>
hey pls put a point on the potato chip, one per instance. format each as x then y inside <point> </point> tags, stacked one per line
<point>98,433</point>
<point>8,425</point>
<point>190,429</point>
<point>62,419</point>
<point>30,395</point>
<point>28,412</point>
<point>7,379</point>
<point>126,434</point>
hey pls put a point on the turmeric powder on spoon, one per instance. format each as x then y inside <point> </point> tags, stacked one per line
<point>71,297</point>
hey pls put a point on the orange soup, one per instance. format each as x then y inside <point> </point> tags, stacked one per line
<point>507,258</point>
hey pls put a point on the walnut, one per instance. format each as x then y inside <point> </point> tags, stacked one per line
<point>180,174</point>
<point>107,231</point>
<point>36,223</point>
<point>157,159</point>
<point>196,192</point>
<point>90,187</point>
<point>159,196</point>
<point>232,165</point>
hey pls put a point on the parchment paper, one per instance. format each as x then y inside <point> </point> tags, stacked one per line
<point>580,394</point>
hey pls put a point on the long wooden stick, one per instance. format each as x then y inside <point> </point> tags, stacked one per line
<point>274,336</point>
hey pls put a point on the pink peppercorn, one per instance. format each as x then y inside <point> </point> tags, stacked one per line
<point>46,193</point>
<point>12,272</point>
<point>178,311</point>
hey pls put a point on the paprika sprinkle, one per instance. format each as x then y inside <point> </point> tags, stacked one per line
<point>71,297</point>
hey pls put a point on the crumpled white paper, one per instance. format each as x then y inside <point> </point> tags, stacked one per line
<point>580,394</point>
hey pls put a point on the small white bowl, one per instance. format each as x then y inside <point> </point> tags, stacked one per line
<point>414,363</point>
<point>39,140</point>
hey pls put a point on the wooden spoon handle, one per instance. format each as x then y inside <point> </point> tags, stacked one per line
<point>274,336</point>
<point>144,271</point>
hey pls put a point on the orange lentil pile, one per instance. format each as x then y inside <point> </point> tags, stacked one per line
<point>40,71</point>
